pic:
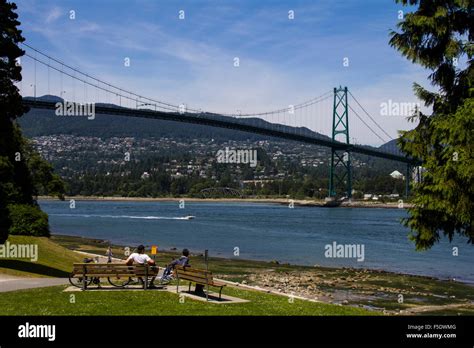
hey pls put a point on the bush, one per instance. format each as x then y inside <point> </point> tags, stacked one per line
<point>28,220</point>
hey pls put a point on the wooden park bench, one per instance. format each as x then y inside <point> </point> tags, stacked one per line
<point>87,271</point>
<point>199,277</point>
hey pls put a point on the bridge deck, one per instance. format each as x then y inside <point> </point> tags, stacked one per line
<point>232,123</point>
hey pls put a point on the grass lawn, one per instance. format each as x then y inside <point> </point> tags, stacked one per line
<point>53,301</point>
<point>235,268</point>
<point>376,289</point>
<point>54,260</point>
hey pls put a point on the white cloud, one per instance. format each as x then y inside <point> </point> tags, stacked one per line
<point>200,72</point>
<point>396,87</point>
<point>54,14</point>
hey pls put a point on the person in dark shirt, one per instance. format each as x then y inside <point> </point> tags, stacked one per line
<point>182,261</point>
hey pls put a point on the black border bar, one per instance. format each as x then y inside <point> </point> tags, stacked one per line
<point>291,331</point>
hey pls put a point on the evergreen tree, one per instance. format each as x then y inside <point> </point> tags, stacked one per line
<point>439,36</point>
<point>13,174</point>
<point>22,171</point>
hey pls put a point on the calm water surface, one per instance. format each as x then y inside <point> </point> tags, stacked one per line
<point>264,232</point>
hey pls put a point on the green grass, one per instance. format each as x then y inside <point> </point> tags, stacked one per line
<point>235,269</point>
<point>366,287</point>
<point>53,301</point>
<point>54,260</point>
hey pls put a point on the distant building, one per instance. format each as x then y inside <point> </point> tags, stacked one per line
<point>417,174</point>
<point>256,182</point>
<point>396,175</point>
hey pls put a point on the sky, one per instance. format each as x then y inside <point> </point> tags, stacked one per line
<point>282,61</point>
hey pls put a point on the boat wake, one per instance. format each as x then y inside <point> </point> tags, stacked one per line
<point>128,216</point>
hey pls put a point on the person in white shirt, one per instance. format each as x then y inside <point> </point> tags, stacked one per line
<point>141,258</point>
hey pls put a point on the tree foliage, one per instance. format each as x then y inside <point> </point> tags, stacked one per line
<point>28,220</point>
<point>22,171</point>
<point>439,35</point>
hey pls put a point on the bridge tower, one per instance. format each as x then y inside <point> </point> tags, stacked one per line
<point>340,173</point>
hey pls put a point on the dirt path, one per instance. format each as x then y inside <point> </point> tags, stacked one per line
<point>10,283</point>
<point>13,283</point>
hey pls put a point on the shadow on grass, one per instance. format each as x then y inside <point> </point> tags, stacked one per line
<point>31,267</point>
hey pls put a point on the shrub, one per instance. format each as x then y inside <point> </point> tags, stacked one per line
<point>28,220</point>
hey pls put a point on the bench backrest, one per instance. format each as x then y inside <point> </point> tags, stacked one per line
<point>194,274</point>
<point>104,269</point>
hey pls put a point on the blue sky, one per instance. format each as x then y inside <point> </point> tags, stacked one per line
<point>191,61</point>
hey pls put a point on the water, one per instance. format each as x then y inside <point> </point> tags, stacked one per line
<point>264,232</point>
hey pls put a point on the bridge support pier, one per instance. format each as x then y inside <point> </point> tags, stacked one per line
<point>340,170</point>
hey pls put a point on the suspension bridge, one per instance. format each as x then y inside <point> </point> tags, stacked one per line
<point>295,122</point>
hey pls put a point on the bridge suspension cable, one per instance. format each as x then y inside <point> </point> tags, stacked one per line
<point>61,71</point>
<point>287,113</point>
<point>162,105</point>
<point>365,123</point>
<point>308,103</point>
<point>373,120</point>
<point>84,81</point>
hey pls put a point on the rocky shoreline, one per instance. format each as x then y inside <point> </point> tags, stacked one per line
<point>390,293</point>
<point>281,201</point>
<point>387,292</point>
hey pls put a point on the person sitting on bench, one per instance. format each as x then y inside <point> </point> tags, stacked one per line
<point>141,258</point>
<point>182,261</point>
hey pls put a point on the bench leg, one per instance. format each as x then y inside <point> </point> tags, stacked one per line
<point>199,289</point>
<point>189,289</point>
<point>84,280</point>
<point>145,284</point>
<point>220,292</point>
